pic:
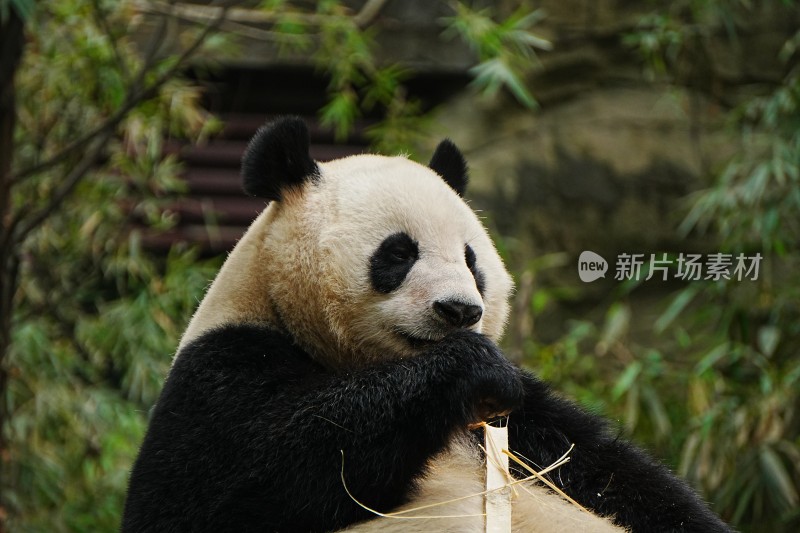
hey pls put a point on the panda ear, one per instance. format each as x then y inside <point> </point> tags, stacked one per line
<point>448,162</point>
<point>278,158</point>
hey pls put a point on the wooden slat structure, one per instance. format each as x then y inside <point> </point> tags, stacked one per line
<point>215,212</point>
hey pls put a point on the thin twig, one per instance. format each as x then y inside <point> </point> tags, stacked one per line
<point>368,13</point>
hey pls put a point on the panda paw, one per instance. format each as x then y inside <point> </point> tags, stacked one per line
<point>488,385</point>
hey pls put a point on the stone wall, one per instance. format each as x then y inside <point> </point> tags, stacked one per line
<point>609,160</point>
<point>592,171</point>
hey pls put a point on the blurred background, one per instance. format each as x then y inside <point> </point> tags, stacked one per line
<point>620,127</point>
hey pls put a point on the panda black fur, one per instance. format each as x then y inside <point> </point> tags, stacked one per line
<point>350,339</point>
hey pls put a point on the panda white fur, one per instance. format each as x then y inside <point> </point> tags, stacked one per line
<point>349,338</point>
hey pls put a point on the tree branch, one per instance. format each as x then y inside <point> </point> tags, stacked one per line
<point>204,13</point>
<point>12,42</point>
<point>237,17</point>
<point>368,13</point>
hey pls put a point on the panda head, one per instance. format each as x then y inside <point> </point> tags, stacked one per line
<point>360,258</point>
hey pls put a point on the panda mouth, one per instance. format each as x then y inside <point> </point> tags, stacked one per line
<point>415,341</point>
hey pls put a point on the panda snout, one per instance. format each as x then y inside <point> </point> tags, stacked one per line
<point>458,314</point>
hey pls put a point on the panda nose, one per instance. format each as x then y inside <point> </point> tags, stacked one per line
<point>457,313</point>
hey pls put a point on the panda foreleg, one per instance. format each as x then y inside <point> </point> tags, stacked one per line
<point>375,429</point>
<point>250,434</point>
<point>610,476</point>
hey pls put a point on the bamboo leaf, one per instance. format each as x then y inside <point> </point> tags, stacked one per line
<point>768,339</point>
<point>712,357</point>
<point>626,380</point>
<point>778,478</point>
<point>676,307</point>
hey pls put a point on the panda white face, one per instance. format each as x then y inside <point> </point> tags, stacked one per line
<point>411,259</point>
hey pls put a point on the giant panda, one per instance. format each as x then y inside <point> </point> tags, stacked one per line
<point>339,358</point>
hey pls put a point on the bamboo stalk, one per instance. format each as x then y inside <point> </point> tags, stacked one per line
<point>498,491</point>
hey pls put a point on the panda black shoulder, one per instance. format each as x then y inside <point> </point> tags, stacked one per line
<point>244,349</point>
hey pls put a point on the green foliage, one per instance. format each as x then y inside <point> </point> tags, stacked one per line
<point>718,398</point>
<point>671,38</point>
<point>745,447</point>
<point>717,406</point>
<point>506,49</point>
<point>95,317</point>
<point>758,195</point>
<point>347,53</point>
<point>84,376</point>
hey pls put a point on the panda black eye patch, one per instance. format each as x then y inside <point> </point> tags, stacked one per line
<point>392,261</point>
<point>472,264</point>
